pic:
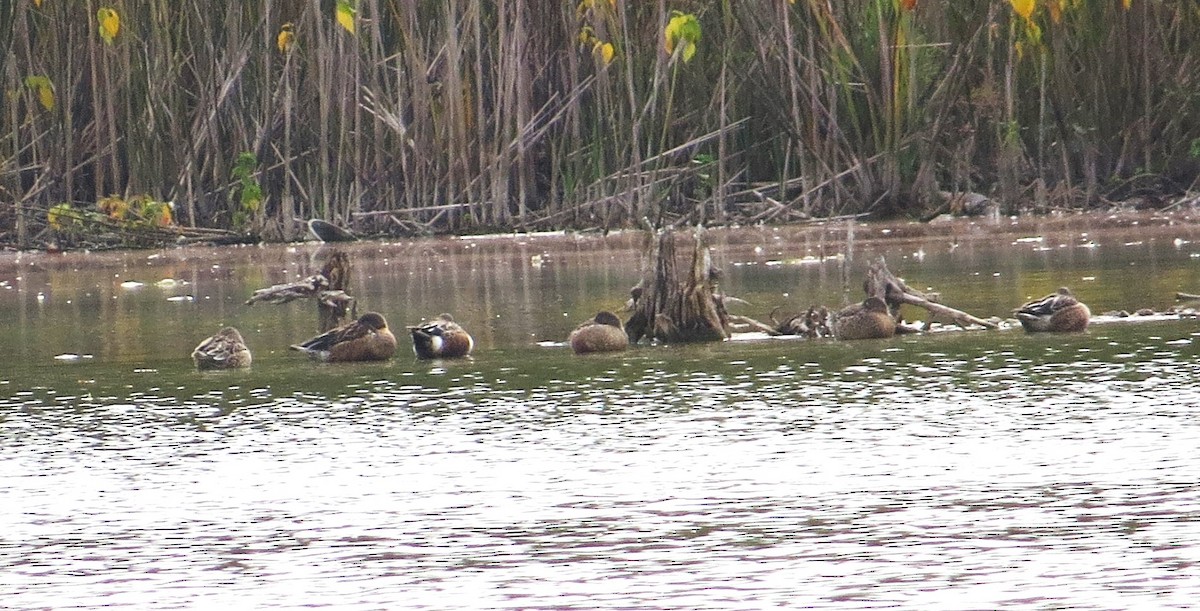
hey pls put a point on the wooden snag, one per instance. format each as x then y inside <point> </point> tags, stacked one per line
<point>671,309</point>
<point>881,283</point>
<point>329,288</point>
<point>335,305</point>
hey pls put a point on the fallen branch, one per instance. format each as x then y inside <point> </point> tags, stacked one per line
<point>882,283</point>
<point>328,288</point>
<point>308,288</point>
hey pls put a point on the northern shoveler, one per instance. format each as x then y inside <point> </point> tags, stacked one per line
<point>603,333</point>
<point>441,338</point>
<point>225,350</point>
<point>867,320</point>
<point>365,339</point>
<point>1059,312</point>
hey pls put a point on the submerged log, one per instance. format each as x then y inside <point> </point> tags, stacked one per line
<point>883,284</point>
<point>671,309</point>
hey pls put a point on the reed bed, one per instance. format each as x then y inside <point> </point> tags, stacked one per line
<point>408,116</point>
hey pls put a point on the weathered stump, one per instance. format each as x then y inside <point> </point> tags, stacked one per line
<point>334,305</point>
<point>671,309</point>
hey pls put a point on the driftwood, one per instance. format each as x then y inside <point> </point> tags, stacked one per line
<point>1187,297</point>
<point>671,309</point>
<point>307,288</point>
<point>328,288</point>
<point>745,323</point>
<point>883,284</point>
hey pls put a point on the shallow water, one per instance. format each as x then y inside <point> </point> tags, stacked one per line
<point>963,470</point>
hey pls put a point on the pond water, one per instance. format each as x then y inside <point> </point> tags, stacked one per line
<point>965,470</point>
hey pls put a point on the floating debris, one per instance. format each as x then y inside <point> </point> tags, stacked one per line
<point>71,357</point>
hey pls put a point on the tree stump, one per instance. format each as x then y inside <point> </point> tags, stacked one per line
<point>671,309</point>
<point>334,305</point>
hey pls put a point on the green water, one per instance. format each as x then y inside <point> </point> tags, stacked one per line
<point>957,469</point>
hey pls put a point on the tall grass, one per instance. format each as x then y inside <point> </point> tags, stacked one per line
<point>467,115</point>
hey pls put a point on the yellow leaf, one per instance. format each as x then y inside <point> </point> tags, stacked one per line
<point>158,213</point>
<point>44,89</point>
<point>586,35</point>
<point>286,38</point>
<point>46,97</point>
<point>605,50</point>
<point>110,23</point>
<point>1024,8</point>
<point>37,3</point>
<point>345,15</point>
<point>62,216</point>
<point>682,28</point>
<point>113,206</point>
<point>1127,3</point>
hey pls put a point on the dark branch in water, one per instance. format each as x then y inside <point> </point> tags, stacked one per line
<point>883,284</point>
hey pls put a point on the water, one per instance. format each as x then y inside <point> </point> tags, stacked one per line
<point>957,470</point>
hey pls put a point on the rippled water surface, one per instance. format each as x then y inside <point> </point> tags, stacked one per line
<point>958,470</point>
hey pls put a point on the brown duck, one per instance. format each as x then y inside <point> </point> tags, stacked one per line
<point>225,350</point>
<point>603,333</point>
<point>1059,312</point>
<point>365,339</point>
<point>867,320</point>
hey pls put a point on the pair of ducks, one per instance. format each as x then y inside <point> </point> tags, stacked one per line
<point>1059,312</point>
<point>365,339</point>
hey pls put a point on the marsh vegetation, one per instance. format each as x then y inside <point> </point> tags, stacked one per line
<point>410,116</point>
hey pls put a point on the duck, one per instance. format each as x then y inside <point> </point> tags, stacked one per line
<point>1059,312</point>
<point>366,339</point>
<point>442,338</point>
<point>603,333</point>
<point>225,350</point>
<point>867,320</point>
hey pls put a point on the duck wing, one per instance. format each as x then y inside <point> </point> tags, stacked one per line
<point>333,337</point>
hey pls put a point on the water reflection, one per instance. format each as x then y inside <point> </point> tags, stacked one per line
<point>954,470</point>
